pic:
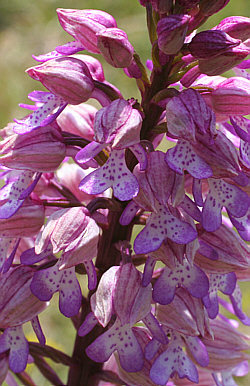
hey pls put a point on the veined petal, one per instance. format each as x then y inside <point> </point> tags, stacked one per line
<point>102,300</point>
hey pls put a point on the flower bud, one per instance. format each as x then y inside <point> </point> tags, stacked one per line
<point>236,26</point>
<point>83,25</point>
<point>26,222</point>
<point>40,150</point>
<point>78,120</point>
<point>171,32</point>
<point>232,97</point>
<point>209,7</point>
<point>224,62</point>
<point>115,48</point>
<point>68,78</point>
<point>17,304</point>
<point>207,44</point>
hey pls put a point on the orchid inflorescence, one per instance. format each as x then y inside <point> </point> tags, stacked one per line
<point>76,180</point>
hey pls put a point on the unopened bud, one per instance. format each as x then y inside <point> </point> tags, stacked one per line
<point>40,150</point>
<point>236,26</point>
<point>115,48</point>
<point>171,32</point>
<point>207,44</point>
<point>67,77</point>
<point>209,7</point>
<point>224,62</point>
<point>83,25</point>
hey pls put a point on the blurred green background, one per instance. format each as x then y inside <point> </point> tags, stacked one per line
<point>31,27</point>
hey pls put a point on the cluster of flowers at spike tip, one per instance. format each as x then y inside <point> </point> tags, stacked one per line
<point>163,326</point>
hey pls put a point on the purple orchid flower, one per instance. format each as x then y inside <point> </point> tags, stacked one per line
<point>190,277</point>
<point>172,360</point>
<point>50,280</point>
